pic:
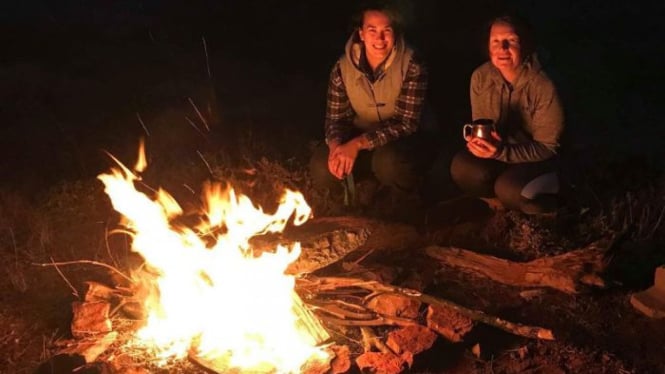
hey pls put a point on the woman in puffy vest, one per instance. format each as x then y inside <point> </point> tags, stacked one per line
<point>375,102</point>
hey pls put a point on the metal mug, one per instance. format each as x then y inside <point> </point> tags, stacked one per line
<point>480,128</point>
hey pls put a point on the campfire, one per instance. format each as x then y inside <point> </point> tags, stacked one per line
<point>233,291</point>
<point>205,291</point>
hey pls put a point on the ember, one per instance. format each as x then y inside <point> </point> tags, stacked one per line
<point>207,292</point>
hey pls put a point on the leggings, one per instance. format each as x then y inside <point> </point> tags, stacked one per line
<point>531,187</point>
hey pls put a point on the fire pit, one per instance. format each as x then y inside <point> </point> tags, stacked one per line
<point>231,293</point>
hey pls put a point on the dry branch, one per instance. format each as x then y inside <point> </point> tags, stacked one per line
<point>309,322</point>
<point>97,263</point>
<point>571,272</point>
<point>314,285</point>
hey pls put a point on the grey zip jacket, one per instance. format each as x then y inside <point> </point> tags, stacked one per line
<point>528,115</point>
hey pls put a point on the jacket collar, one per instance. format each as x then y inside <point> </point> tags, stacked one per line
<point>355,52</point>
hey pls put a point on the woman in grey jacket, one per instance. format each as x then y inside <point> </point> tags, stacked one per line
<point>518,164</point>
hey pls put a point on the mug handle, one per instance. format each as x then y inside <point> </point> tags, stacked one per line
<point>466,130</point>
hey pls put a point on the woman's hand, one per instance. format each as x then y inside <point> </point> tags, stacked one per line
<point>484,148</point>
<point>342,157</point>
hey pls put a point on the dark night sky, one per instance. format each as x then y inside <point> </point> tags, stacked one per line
<point>76,72</point>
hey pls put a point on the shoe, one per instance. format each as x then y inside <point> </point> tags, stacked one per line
<point>541,205</point>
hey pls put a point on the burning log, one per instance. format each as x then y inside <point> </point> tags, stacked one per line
<point>309,322</point>
<point>570,272</point>
<point>322,243</point>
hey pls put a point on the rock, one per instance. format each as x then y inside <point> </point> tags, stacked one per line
<point>413,339</point>
<point>378,362</point>
<point>395,305</point>
<point>651,302</point>
<point>449,323</point>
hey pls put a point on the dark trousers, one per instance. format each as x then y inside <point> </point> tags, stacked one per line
<point>400,164</point>
<point>481,177</point>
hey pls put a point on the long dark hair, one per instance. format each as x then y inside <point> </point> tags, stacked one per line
<point>393,9</point>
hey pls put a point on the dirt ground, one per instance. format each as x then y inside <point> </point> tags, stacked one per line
<point>82,80</point>
<point>596,331</point>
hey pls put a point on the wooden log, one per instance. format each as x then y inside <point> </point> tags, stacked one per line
<point>326,241</point>
<point>571,272</point>
<point>312,284</point>
<point>96,292</point>
<point>308,321</point>
<point>322,242</point>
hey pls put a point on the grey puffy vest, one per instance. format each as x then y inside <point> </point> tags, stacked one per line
<point>374,102</point>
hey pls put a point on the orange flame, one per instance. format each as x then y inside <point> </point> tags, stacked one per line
<point>215,299</point>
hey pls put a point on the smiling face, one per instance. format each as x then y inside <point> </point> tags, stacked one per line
<point>377,35</point>
<point>504,49</point>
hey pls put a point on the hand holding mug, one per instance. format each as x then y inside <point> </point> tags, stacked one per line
<point>482,139</point>
<point>484,148</point>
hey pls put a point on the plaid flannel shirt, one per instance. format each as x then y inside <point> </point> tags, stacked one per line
<point>339,113</point>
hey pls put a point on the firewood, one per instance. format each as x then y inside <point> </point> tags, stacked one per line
<point>340,309</point>
<point>314,284</point>
<point>307,320</point>
<point>90,318</point>
<point>414,339</point>
<point>571,272</point>
<point>410,341</point>
<point>371,340</point>
<point>379,362</point>
<point>376,321</point>
<point>322,242</point>
<point>448,323</point>
<point>99,292</point>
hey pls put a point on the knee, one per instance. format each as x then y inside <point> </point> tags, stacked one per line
<point>470,175</point>
<point>394,168</point>
<point>508,191</point>
<point>539,195</point>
